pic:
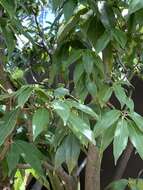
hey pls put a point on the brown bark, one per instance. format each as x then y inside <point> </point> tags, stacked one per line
<point>92,174</point>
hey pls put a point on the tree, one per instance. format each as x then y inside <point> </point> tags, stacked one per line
<point>56,91</point>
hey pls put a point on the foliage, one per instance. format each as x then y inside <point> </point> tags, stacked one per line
<point>62,81</point>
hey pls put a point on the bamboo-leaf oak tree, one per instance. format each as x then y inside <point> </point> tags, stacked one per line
<point>55,91</point>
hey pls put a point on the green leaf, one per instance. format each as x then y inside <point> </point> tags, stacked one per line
<point>80,127</point>
<point>9,122</point>
<point>65,29</point>
<point>62,110</point>
<point>13,157</point>
<point>117,185</point>
<point>88,62</point>
<point>136,137</point>
<point>120,37</point>
<point>73,57</point>
<point>61,92</point>
<point>120,94</point>
<point>9,6</point>
<point>23,94</point>
<point>82,107</point>
<point>40,121</point>
<point>102,41</point>
<point>120,138</point>
<point>106,121</point>
<point>72,152</point>
<point>31,155</point>
<point>79,69</point>
<point>107,138</point>
<point>135,5</point>
<point>138,119</point>
<point>9,38</point>
<point>68,9</point>
<point>92,89</point>
<point>68,152</point>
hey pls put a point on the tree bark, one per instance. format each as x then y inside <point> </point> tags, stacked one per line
<point>92,173</point>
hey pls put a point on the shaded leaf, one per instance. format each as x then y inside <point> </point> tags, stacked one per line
<point>9,6</point>
<point>107,138</point>
<point>13,157</point>
<point>102,42</point>
<point>117,185</point>
<point>9,39</point>
<point>120,37</point>
<point>9,122</point>
<point>31,155</point>
<point>135,5</point>
<point>68,152</point>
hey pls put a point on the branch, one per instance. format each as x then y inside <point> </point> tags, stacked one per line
<point>81,167</point>
<point>123,162</point>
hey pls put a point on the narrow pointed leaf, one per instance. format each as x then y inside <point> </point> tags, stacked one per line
<point>138,119</point>
<point>136,137</point>
<point>135,5</point>
<point>9,122</point>
<point>106,121</point>
<point>120,138</point>
<point>40,121</point>
<point>62,110</point>
<point>102,42</point>
<point>83,108</point>
<point>79,126</point>
<point>31,155</point>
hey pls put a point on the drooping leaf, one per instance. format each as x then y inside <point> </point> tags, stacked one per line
<point>79,126</point>
<point>72,22</point>
<point>102,41</point>
<point>23,94</point>
<point>120,37</point>
<point>82,107</point>
<point>68,9</point>
<point>62,110</point>
<point>61,92</point>
<point>13,157</point>
<point>68,152</point>
<point>107,138</point>
<point>9,38</point>
<point>88,62</point>
<point>40,121</point>
<point>31,155</point>
<point>120,94</point>
<point>79,69</point>
<point>106,121</point>
<point>138,119</point>
<point>92,89</point>
<point>136,137</point>
<point>120,138</point>
<point>9,6</point>
<point>9,122</point>
<point>135,5</point>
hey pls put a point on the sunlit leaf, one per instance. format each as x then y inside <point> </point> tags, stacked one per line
<point>40,121</point>
<point>120,138</point>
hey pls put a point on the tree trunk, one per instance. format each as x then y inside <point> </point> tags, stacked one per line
<point>92,174</point>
